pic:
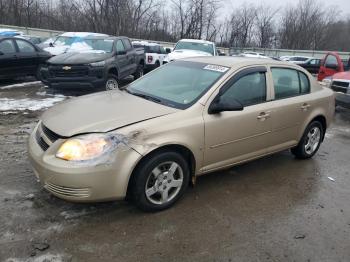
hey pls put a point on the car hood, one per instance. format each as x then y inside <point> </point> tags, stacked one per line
<point>78,58</point>
<point>184,53</point>
<point>101,112</point>
<point>342,75</point>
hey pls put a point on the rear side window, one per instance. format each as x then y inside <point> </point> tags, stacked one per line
<point>25,47</point>
<point>289,82</point>
<point>7,46</point>
<point>331,60</point>
<point>248,90</point>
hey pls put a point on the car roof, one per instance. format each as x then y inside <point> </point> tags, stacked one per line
<point>145,43</point>
<point>196,41</point>
<point>238,62</point>
<point>81,34</point>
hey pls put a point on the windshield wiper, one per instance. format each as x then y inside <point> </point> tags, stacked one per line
<point>148,97</point>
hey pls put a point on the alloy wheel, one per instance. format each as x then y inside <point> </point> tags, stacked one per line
<point>164,183</point>
<point>313,140</point>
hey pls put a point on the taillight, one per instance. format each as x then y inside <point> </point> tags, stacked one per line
<point>149,59</point>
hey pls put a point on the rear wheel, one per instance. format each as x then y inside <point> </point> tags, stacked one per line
<point>159,181</point>
<point>111,82</point>
<point>310,141</point>
<point>139,71</point>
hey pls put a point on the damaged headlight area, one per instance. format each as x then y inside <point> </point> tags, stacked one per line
<point>89,147</point>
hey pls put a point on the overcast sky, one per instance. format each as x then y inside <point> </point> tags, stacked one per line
<point>343,5</point>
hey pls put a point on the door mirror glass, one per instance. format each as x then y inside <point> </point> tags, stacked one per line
<point>221,106</point>
<point>122,52</point>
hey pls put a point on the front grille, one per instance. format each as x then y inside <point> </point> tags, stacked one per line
<point>45,137</point>
<point>70,71</point>
<point>67,191</point>
<point>340,83</point>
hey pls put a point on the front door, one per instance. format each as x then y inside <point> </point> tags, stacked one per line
<point>27,57</point>
<point>121,59</point>
<point>232,137</point>
<point>329,67</point>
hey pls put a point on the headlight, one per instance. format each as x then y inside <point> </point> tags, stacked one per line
<point>101,63</point>
<point>87,147</point>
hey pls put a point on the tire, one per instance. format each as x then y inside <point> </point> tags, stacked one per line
<point>157,64</point>
<point>139,72</point>
<point>112,82</point>
<point>307,148</point>
<point>154,187</point>
<point>38,73</point>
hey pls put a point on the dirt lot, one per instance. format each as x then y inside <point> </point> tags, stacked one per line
<point>273,209</point>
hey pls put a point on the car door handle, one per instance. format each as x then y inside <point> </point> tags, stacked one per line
<point>263,115</point>
<point>305,106</point>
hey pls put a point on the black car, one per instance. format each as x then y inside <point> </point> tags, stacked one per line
<point>103,62</point>
<point>312,65</point>
<point>19,57</point>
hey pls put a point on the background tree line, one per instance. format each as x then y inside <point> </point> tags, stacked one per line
<point>306,25</point>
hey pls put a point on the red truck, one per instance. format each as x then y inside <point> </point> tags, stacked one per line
<point>333,67</point>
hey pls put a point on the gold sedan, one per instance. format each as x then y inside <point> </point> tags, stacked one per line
<point>185,119</point>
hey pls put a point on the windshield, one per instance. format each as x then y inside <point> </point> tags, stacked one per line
<point>64,40</point>
<point>204,47</point>
<point>178,84</point>
<point>105,45</point>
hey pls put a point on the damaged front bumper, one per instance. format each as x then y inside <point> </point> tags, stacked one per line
<point>89,181</point>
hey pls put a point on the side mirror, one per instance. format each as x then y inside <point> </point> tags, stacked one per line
<point>51,44</point>
<point>121,52</point>
<point>219,106</point>
<point>167,50</point>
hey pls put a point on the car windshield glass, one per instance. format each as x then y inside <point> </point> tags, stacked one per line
<point>105,45</point>
<point>204,47</point>
<point>64,40</point>
<point>165,86</point>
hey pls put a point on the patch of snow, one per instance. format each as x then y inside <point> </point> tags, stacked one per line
<point>9,104</point>
<point>20,85</point>
<point>41,258</point>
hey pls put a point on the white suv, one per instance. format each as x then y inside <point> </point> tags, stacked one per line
<point>190,48</point>
<point>154,54</point>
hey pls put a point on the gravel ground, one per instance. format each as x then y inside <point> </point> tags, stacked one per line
<point>273,209</point>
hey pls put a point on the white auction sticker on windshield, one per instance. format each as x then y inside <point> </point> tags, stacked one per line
<point>216,68</point>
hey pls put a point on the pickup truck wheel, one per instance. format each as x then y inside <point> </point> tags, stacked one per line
<point>139,72</point>
<point>310,141</point>
<point>159,181</point>
<point>112,82</point>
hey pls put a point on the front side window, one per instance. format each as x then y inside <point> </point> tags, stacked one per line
<point>120,46</point>
<point>7,46</point>
<point>289,82</point>
<point>331,60</point>
<point>178,84</point>
<point>248,90</point>
<point>127,44</point>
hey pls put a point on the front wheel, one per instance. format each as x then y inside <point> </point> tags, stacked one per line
<point>310,141</point>
<point>111,82</point>
<point>160,181</point>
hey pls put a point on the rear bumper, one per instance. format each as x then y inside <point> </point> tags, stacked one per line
<point>342,100</point>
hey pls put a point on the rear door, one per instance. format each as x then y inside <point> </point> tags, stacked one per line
<point>8,58</point>
<point>290,107</point>
<point>27,56</point>
<point>330,65</point>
